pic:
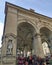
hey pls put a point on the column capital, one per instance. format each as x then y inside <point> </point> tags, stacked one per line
<point>37,35</point>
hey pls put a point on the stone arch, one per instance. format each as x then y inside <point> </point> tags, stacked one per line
<point>27,21</point>
<point>45,24</point>
<point>25,33</point>
<point>46,36</point>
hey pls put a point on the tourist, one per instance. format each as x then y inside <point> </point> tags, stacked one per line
<point>30,60</point>
<point>35,62</point>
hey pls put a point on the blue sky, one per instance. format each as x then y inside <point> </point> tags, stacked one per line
<point>43,7</point>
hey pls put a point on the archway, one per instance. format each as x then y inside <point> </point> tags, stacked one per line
<point>46,49</point>
<point>46,36</point>
<point>25,32</point>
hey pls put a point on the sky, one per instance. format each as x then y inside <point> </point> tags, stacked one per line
<point>43,7</point>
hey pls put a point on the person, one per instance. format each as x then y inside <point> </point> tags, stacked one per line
<point>35,62</point>
<point>40,61</point>
<point>30,60</point>
<point>21,60</point>
<point>26,61</point>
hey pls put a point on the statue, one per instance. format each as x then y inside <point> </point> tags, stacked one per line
<point>9,47</point>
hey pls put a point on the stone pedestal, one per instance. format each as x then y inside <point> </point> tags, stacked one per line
<point>8,60</point>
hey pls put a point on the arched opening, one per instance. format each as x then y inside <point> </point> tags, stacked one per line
<point>46,36</point>
<point>46,48</point>
<point>25,32</point>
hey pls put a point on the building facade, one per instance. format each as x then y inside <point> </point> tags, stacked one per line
<point>24,32</point>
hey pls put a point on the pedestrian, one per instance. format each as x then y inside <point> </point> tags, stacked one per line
<point>30,60</point>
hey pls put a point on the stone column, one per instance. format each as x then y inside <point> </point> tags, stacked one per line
<point>37,45</point>
<point>50,44</point>
<point>50,48</point>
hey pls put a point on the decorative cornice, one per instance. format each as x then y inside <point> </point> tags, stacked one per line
<point>27,11</point>
<point>5,56</point>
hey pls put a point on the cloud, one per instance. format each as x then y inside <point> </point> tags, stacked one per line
<point>1,32</point>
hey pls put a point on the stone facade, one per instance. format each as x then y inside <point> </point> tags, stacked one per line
<point>40,25</point>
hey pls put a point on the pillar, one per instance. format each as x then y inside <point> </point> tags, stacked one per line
<point>9,58</point>
<point>37,45</point>
<point>50,44</point>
